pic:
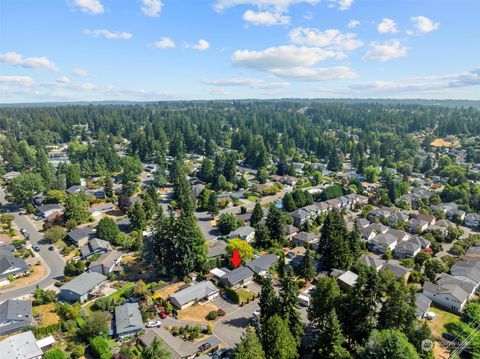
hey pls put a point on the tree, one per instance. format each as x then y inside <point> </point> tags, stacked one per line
<point>289,307</point>
<point>75,209</point>
<point>268,302</point>
<point>212,204</point>
<point>55,234</point>
<point>227,222</point>
<point>206,171</point>
<point>288,202</point>
<point>55,353</point>
<point>249,347</point>
<point>108,187</point>
<point>334,162</point>
<point>276,226</point>
<point>245,249</point>
<point>278,342</point>
<point>74,268</point>
<point>43,296</point>
<point>138,217</point>
<point>100,347</point>
<point>96,323</point>
<point>156,350</point>
<point>471,313</point>
<point>434,267</point>
<point>334,247</point>
<point>23,188</point>
<point>107,229</point>
<point>140,289</point>
<point>257,215</point>
<point>371,174</point>
<point>323,300</point>
<point>73,175</point>
<point>329,339</point>
<point>307,267</point>
<point>388,343</point>
<point>262,175</point>
<point>124,202</point>
<point>453,233</point>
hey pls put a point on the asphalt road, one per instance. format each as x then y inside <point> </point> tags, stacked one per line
<point>52,259</point>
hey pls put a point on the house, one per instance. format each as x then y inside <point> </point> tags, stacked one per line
<point>94,246</point>
<point>10,175</point>
<point>426,217</point>
<point>79,288</point>
<point>262,264</point>
<point>303,238</point>
<point>11,265</point>
<point>15,315</point>
<point>217,249</point>
<point>397,270</point>
<point>406,249</point>
<point>378,213</point>
<point>107,263</point>
<point>400,235</point>
<point>417,225</point>
<point>246,233</point>
<point>20,346</point>
<point>397,217</point>
<point>75,189</point>
<point>468,271</point>
<point>451,297</point>
<point>80,236</point>
<point>193,294</point>
<point>382,243</point>
<point>447,279</point>
<point>472,220</point>
<point>218,273</point>
<point>50,212</point>
<point>128,319</point>
<point>290,231</point>
<point>422,304</point>
<point>347,280</point>
<point>424,243</point>
<point>302,215</point>
<point>197,189</point>
<point>237,277</point>
<point>98,209</point>
<point>98,193</point>
<point>371,261</point>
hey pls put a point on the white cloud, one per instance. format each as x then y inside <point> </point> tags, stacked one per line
<point>218,92</point>
<point>64,80</point>
<point>387,26</point>
<point>201,45</point>
<point>330,38</point>
<point>281,57</point>
<point>247,82</point>
<point>267,18</point>
<point>111,35</point>
<point>424,24</point>
<point>18,80</point>
<point>14,58</point>
<point>341,4</point>
<point>352,24</point>
<point>164,43</point>
<point>93,7</point>
<point>86,86</point>
<point>151,7</point>
<point>384,51</point>
<point>221,5</point>
<point>81,72</point>
<point>316,73</point>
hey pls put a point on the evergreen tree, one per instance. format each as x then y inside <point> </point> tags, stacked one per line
<point>257,215</point>
<point>289,307</point>
<point>156,350</point>
<point>307,269</point>
<point>249,347</point>
<point>138,217</point>
<point>108,187</point>
<point>324,299</point>
<point>212,206</point>
<point>288,202</point>
<point>329,339</point>
<point>269,304</point>
<point>278,342</point>
<point>107,229</point>
<point>355,242</point>
<point>276,226</point>
<point>388,344</point>
<point>334,246</point>
<point>206,173</point>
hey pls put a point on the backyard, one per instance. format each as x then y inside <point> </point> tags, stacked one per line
<point>437,325</point>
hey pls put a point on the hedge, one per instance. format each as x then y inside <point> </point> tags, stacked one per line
<point>232,295</point>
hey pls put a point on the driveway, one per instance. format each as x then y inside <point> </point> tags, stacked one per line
<point>54,261</point>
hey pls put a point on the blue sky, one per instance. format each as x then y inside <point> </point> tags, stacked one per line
<point>69,50</point>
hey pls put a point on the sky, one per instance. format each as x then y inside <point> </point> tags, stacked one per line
<point>149,50</point>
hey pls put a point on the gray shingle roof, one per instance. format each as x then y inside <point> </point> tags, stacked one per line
<point>423,303</point>
<point>8,261</point>
<point>454,290</point>
<point>19,312</point>
<point>84,283</point>
<point>262,263</point>
<point>94,245</point>
<point>237,275</point>
<point>107,259</point>
<point>80,233</point>
<point>128,318</point>
<point>20,346</point>
<point>197,291</point>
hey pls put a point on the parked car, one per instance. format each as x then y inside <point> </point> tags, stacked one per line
<point>448,336</point>
<point>204,346</point>
<point>36,248</point>
<point>163,315</point>
<point>256,313</point>
<point>51,248</point>
<point>154,324</point>
<point>24,232</point>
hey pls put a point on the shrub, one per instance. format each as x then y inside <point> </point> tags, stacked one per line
<point>232,295</point>
<point>221,312</point>
<point>212,315</point>
<point>100,347</point>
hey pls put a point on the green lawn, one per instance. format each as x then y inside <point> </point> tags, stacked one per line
<point>244,295</point>
<point>253,198</point>
<point>437,325</point>
<point>115,295</point>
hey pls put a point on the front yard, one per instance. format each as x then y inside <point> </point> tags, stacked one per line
<point>197,313</point>
<point>245,295</point>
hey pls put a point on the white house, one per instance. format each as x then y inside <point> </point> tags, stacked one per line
<point>451,297</point>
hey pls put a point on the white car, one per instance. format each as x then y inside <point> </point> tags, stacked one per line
<point>154,324</point>
<point>256,313</point>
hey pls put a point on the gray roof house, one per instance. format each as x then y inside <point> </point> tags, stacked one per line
<point>15,315</point>
<point>302,238</point>
<point>217,249</point>
<point>262,264</point>
<point>107,263</point>
<point>80,287</point>
<point>128,319</point>
<point>397,270</point>
<point>10,265</point>
<point>371,261</point>
<point>81,236</point>
<point>406,249</point>
<point>95,246</point>
<point>246,233</point>
<point>195,293</point>
<point>382,242</point>
<point>238,277</point>
<point>447,279</point>
<point>20,346</point>
<point>347,279</point>
<point>468,271</point>
<point>451,297</point>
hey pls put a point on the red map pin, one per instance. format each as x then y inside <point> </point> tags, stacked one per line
<point>236,258</point>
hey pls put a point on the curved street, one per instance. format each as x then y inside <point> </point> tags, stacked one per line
<point>53,261</point>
